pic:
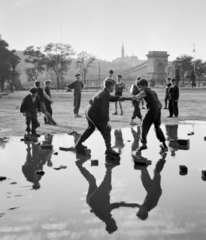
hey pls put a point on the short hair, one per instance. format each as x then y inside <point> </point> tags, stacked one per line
<point>168,79</point>
<point>142,82</point>
<point>108,82</point>
<point>47,81</point>
<point>173,80</point>
<point>37,83</point>
<point>138,78</point>
<point>111,72</point>
<point>33,90</point>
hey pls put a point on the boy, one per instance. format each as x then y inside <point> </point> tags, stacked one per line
<point>168,85</point>
<point>29,107</point>
<point>47,102</point>
<point>119,87</point>
<point>173,99</point>
<point>137,113</point>
<point>42,95</point>
<point>97,114</point>
<point>153,115</point>
<point>77,85</point>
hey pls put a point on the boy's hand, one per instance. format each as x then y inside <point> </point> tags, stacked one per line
<point>122,99</point>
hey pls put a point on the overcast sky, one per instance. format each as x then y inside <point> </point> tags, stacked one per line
<point>100,26</point>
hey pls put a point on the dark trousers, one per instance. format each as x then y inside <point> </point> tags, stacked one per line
<point>136,112</point>
<point>153,116</point>
<point>31,122</point>
<point>166,99</point>
<point>94,121</point>
<point>173,107</point>
<point>77,102</point>
<point>49,110</point>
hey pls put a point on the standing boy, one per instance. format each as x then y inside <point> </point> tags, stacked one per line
<point>29,107</point>
<point>119,87</point>
<point>77,85</point>
<point>168,85</point>
<point>42,95</point>
<point>173,99</point>
<point>153,115</point>
<point>97,114</point>
<point>47,102</point>
<point>137,112</point>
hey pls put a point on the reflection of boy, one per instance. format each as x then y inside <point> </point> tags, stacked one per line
<point>153,115</point>
<point>29,107</point>
<point>153,188</point>
<point>98,198</point>
<point>119,142</point>
<point>77,85</point>
<point>97,114</point>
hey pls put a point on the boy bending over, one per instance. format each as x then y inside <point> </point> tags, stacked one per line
<point>97,115</point>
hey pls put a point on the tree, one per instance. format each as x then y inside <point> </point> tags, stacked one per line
<point>5,56</point>
<point>36,59</point>
<point>84,62</point>
<point>184,65</point>
<point>200,68</point>
<point>14,60</point>
<point>58,58</point>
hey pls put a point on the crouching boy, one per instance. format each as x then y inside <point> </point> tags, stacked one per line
<point>97,115</point>
<point>29,107</point>
<point>153,115</point>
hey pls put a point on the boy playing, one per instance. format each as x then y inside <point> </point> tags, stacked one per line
<point>97,114</point>
<point>137,113</point>
<point>119,87</point>
<point>168,85</point>
<point>47,102</point>
<point>153,115</point>
<point>42,95</point>
<point>77,85</point>
<point>173,99</point>
<point>29,107</point>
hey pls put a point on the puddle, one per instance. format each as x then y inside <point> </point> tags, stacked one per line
<point>87,199</point>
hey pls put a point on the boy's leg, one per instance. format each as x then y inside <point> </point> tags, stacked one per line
<point>158,130</point>
<point>44,111</point>
<point>120,105</point>
<point>35,123</point>
<point>78,103</point>
<point>28,121</point>
<point>170,108</point>
<point>115,104</point>
<point>166,99</point>
<point>176,110</point>
<point>146,124</point>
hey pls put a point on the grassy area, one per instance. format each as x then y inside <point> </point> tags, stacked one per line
<point>192,106</point>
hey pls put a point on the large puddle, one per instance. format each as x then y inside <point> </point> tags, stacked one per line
<point>82,201</point>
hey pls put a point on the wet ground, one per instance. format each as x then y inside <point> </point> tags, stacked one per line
<point>76,200</point>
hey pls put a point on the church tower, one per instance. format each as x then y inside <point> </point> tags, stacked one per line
<point>122,51</point>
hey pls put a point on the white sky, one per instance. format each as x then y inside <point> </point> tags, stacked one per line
<point>100,26</point>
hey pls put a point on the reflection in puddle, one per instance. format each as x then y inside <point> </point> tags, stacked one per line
<point>98,199</point>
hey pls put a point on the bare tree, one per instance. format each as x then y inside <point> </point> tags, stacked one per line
<point>84,62</point>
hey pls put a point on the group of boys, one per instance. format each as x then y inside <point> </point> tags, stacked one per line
<point>97,112</point>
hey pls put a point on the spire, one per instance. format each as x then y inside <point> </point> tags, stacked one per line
<point>122,51</point>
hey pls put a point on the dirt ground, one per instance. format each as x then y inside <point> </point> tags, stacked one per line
<point>192,106</point>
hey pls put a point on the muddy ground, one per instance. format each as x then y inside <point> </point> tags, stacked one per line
<point>192,106</point>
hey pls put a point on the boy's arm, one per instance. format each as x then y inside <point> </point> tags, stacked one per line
<point>114,98</point>
<point>46,96</point>
<point>23,106</point>
<point>177,93</point>
<point>142,94</point>
<point>71,85</point>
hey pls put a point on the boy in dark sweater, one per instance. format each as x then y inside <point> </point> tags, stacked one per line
<point>29,107</point>
<point>173,99</point>
<point>47,102</point>
<point>77,85</point>
<point>137,112</point>
<point>42,95</point>
<point>168,85</point>
<point>97,114</point>
<point>119,87</point>
<point>153,115</point>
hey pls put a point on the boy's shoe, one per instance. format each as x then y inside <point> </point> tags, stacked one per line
<point>111,151</point>
<point>165,108</point>
<point>132,122</point>
<point>164,147</point>
<point>121,113</point>
<point>80,146</point>
<point>143,107</point>
<point>36,134</point>
<point>79,115</point>
<point>115,113</point>
<point>141,148</point>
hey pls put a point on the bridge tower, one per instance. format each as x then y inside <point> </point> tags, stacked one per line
<point>156,68</point>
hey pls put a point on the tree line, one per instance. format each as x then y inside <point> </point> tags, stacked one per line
<point>56,57</point>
